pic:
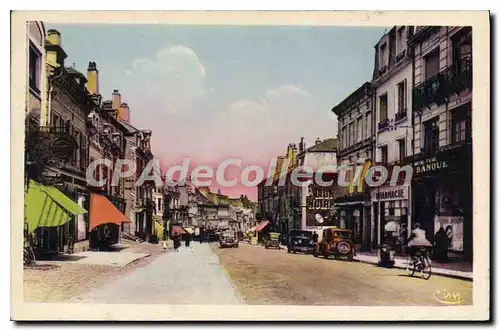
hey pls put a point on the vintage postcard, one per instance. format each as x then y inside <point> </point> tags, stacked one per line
<point>176,166</point>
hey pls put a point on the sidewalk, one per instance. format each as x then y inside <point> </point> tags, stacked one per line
<point>182,277</point>
<point>455,269</point>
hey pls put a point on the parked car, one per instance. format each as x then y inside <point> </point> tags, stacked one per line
<point>228,239</point>
<point>273,240</point>
<point>336,242</point>
<point>300,241</point>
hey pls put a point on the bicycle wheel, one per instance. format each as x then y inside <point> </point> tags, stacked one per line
<point>410,266</point>
<point>426,268</point>
<point>29,256</point>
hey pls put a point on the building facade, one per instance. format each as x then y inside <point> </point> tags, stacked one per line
<point>392,78</point>
<point>442,127</point>
<point>355,154</point>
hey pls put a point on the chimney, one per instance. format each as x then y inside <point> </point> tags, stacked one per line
<point>318,141</point>
<point>54,37</point>
<point>93,78</point>
<point>116,99</point>
<point>55,55</point>
<point>302,145</point>
<point>124,112</point>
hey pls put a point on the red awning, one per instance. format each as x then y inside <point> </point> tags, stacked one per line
<point>261,226</point>
<point>102,211</point>
<point>177,229</point>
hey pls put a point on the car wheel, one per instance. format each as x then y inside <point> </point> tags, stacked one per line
<point>344,248</point>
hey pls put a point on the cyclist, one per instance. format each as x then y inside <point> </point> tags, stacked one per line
<point>417,241</point>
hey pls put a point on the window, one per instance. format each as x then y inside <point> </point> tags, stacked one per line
<point>383,154</point>
<point>383,107</point>
<point>343,138</point>
<point>368,123</point>
<point>431,137</point>
<point>359,129</point>
<point>77,151</point>
<point>401,40</point>
<point>34,68</point>
<point>461,125</point>
<point>402,96</point>
<point>462,48</point>
<point>383,55</point>
<point>351,133</point>
<point>432,63</point>
<point>402,149</point>
<point>159,204</point>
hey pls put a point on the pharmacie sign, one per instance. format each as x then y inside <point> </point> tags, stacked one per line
<point>390,193</point>
<point>430,164</point>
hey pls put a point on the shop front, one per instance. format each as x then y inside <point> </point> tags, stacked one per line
<point>352,209</point>
<point>442,197</point>
<point>391,214</point>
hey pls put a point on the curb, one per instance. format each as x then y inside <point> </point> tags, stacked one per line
<point>438,273</point>
<point>236,292</point>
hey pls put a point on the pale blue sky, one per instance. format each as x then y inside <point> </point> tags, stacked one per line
<point>209,92</point>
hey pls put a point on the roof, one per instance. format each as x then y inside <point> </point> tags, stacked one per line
<point>352,98</point>
<point>73,71</point>
<point>127,126</point>
<point>327,145</point>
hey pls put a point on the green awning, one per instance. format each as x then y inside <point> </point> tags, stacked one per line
<point>46,206</point>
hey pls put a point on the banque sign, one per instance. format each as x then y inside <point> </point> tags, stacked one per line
<point>428,165</point>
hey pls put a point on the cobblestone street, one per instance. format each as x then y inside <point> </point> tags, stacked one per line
<point>267,276</point>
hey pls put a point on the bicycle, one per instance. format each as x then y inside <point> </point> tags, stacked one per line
<point>419,262</point>
<point>29,254</point>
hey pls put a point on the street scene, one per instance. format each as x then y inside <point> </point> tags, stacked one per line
<point>199,165</point>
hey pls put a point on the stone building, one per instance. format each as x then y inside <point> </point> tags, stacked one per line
<point>288,206</point>
<point>353,207</point>
<point>68,105</point>
<point>36,80</point>
<point>145,205</point>
<point>442,126</point>
<point>392,77</point>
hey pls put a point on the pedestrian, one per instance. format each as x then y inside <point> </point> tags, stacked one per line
<point>315,237</point>
<point>187,239</point>
<point>177,241</point>
<point>441,243</point>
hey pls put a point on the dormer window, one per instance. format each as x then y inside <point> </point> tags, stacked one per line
<point>383,55</point>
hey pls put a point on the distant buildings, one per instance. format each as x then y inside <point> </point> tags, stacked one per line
<point>289,206</point>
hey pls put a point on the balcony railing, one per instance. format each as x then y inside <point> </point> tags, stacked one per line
<point>438,89</point>
<point>400,56</point>
<point>383,124</point>
<point>400,115</point>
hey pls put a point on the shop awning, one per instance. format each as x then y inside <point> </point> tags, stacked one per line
<point>102,211</point>
<point>189,230</point>
<point>261,226</point>
<point>46,206</point>
<point>177,229</point>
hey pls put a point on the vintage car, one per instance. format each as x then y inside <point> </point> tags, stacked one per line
<point>228,239</point>
<point>300,241</point>
<point>273,240</point>
<point>336,242</point>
